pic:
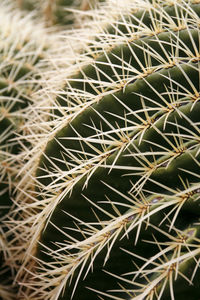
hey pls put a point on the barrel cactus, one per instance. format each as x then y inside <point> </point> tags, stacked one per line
<point>61,12</point>
<point>23,47</point>
<point>108,204</point>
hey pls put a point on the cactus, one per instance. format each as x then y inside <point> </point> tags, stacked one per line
<point>23,47</point>
<point>59,11</point>
<point>108,207</point>
<point>22,53</point>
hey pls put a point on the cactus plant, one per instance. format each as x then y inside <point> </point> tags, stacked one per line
<point>109,203</point>
<point>22,53</point>
<point>58,11</point>
<point>23,47</point>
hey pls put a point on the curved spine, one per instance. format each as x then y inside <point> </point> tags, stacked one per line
<point>119,168</point>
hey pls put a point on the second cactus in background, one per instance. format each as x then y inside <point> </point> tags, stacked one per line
<point>59,11</point>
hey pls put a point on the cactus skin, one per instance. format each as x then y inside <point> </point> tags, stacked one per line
<point>115,193</point>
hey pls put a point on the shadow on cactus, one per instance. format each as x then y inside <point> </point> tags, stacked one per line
<point>117,192</point>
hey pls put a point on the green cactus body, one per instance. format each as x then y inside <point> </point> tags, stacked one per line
<point>116,189</point>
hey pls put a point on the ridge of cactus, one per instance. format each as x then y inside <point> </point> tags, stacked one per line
<point>108,204</point>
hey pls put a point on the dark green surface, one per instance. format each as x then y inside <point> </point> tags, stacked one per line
<point>163,104</point>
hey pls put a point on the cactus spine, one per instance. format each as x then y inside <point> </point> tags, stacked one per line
<point>22,54</point>
<point>110,209</point>
<point>61,12</point>
<point>23,47</point>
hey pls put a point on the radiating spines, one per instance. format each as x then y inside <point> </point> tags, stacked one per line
<point>60,12</point>
<point>5,292</point>
<point>72,97</point>
<point>175,268</point>
<point>101,140</point>
<point>148,162</point>
<point>125,124</point>
<point>175,272</point>
<point>102,240</point>
<point>24,49</point>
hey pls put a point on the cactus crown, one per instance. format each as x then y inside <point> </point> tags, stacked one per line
<point>110,209</point>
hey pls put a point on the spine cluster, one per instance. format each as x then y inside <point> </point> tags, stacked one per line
<point>107,202</point>
<point>59,12</point>
<point>25,48</point>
